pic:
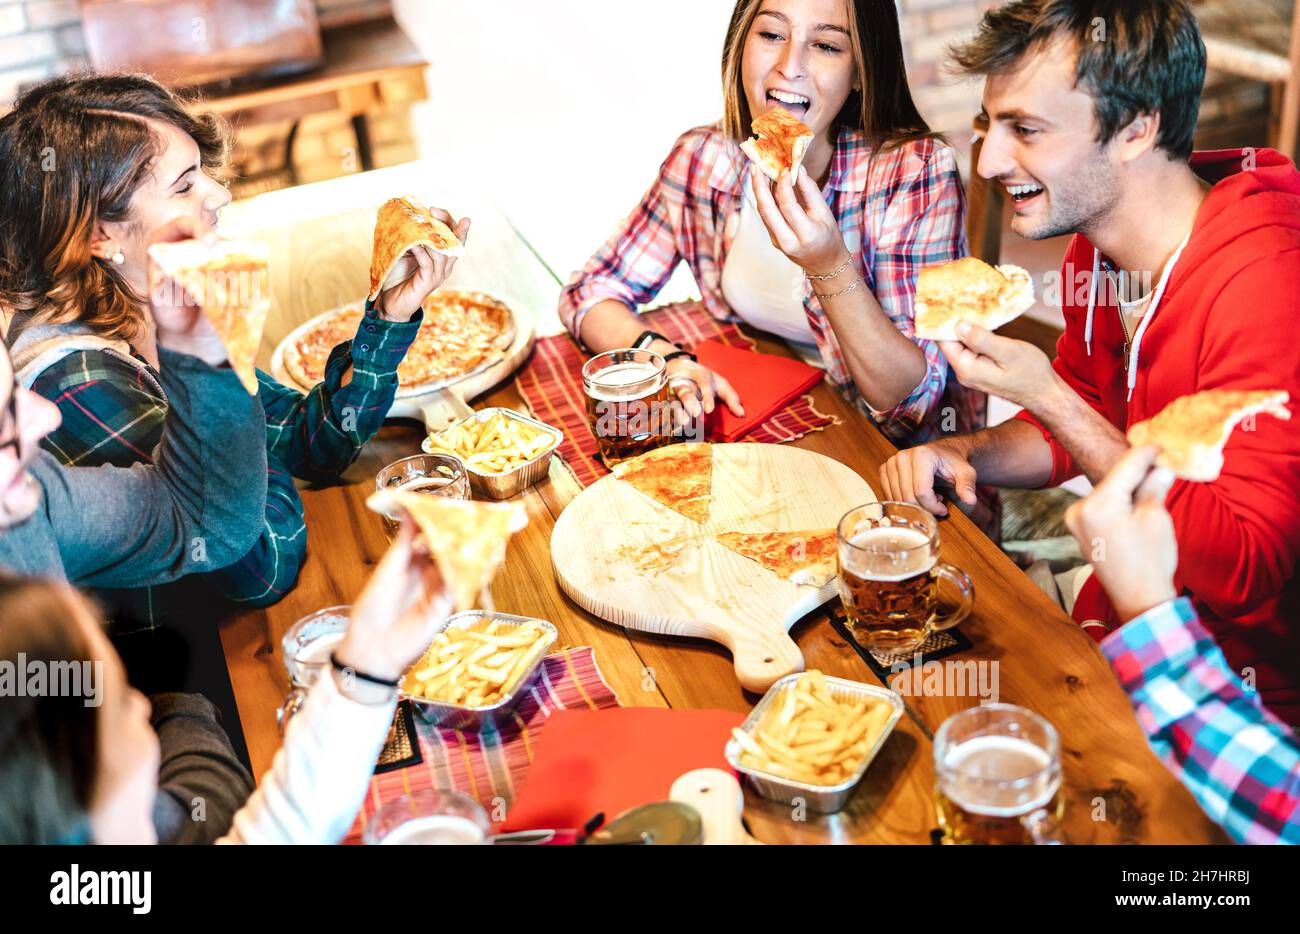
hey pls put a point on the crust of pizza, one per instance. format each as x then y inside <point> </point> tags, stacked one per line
<point>461,331</point>
<point>780,143</point>
<point>1193,430</point>
<point>466,538</point>
<point>969,289</point>
<point>680,476</point>
<point>799,557</point>
<point>401,224</point>
<point>231,282</point>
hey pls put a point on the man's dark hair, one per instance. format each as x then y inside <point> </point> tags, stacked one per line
<point>1134,57</point>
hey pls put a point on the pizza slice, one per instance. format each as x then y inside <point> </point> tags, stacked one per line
<point>466,538</point>
<point>1193,430</point>
<point>972,290</point>
<point>680,476</point>
<point>799,557</point>
<point>403,223</point>
<point>231,283</point>
<point>779,143</point>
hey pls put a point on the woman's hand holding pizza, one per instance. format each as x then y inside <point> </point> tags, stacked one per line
<point>417,274</point>
<point>800,222</point>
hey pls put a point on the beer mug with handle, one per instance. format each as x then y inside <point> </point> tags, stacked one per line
<point>998,777</point>
<point>889,574</point>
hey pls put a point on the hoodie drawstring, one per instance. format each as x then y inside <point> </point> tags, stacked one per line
<point>1092,299</point>
<point>1151,313</point>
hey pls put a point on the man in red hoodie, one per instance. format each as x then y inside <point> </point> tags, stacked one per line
<point>1183,274</point>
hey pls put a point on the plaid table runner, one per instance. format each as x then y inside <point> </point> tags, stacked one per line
<point>490,765</point>
<point>551,384</point>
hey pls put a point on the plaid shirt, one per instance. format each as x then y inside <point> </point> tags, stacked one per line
<point>898,210</point>
<point>1240,762</point>
<point>113,414</point>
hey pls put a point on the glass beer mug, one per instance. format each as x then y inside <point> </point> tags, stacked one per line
<point>628,403</point>
<point>306,648</point>
<point>998,777</point>
<point>889,574</point>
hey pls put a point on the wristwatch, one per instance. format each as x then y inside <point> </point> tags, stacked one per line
<point>647,338</point>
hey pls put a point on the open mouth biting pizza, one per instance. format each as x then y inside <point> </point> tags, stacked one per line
<point>232,284</point>
<point>466,538</point>
<point>680,476</point>
<point>779,143</point>
<point>1193,430</point>
<point>969,289</point>
<point>799,557</point>
<point>461,331</point>
<point>403,223</point>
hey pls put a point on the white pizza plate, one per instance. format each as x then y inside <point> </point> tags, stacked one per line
<point>425,401</point>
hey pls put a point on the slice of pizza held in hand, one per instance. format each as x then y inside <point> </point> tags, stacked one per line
<point>231,283</point>
<point>779,144</point>
<point>1193,430</point>
<point>401,224</point>
<point>467,539</point>
<point>969,289</point>
<point>679,476</point>
<point>799,557</point>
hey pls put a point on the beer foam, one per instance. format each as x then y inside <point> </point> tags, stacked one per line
<point>888,553</point>
<point>970,767</point>
<point>606,383</point>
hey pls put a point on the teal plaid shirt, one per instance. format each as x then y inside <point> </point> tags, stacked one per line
<point>113,414</point>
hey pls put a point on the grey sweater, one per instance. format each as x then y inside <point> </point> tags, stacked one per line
<point>197,508</point>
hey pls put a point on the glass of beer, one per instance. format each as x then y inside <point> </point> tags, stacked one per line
<point>998,777</point>
<point>431,474</point>
<point>628,403</point>
<point>428,817</point>
<point>889,575</point>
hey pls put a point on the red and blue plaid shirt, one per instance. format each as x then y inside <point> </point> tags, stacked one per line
<point>898,209</point>
<point>1238,760</point>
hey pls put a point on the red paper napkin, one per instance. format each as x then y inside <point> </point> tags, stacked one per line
<point>766,384</point>
<point>588,761</point>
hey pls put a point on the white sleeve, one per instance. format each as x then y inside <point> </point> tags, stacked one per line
<point>320,774</point>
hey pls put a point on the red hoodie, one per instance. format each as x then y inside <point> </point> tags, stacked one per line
<point>1229,318</point>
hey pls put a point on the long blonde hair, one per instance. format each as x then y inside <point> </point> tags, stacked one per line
<point>882,108</point>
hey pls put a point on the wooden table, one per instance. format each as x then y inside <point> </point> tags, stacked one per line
<point>1044,661</point>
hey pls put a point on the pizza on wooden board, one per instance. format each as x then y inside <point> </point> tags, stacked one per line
<point>466,538</point>
<point>799,557</point>
<point>461,331</point>
<point>969,289</point>
<point>1193,430</point>
<point>401,224</point>
<point>680,476</point>
<point>231,283</point>
<point>780,143</point>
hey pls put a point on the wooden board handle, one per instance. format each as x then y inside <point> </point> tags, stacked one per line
<point>717,796</point>
<point>761,654</point>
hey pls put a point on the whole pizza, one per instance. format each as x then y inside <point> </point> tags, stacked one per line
<point>461,330</point>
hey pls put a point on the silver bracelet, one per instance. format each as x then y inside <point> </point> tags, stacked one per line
<point>843,266</point>
<point>825,295</point>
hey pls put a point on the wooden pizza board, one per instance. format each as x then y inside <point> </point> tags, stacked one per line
<point>687,584</point>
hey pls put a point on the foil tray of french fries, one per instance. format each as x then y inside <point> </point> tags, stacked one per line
<point>477,668</point>
<point>504,452</point>
<point>813,737</point>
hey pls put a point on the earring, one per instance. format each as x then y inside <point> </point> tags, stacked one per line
<point>117,258</point>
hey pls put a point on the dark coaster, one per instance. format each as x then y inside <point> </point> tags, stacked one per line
<point>938,645</point>
<point>401,749</point>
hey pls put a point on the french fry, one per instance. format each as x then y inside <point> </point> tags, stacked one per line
<point>497,444</point>
<point>810,736</point>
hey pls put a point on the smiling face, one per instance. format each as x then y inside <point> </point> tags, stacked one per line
<point>798,54</point>
<point>1042,147</point>
<point>175,186</point>
<point>25,418</point>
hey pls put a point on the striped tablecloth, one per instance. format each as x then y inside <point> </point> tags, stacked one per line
<point>551,384</point>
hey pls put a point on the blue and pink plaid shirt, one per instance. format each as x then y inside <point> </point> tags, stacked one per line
<point>898,210</point>
<point>1239,761</point>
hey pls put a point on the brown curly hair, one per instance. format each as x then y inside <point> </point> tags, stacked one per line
<point>73,152</point>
